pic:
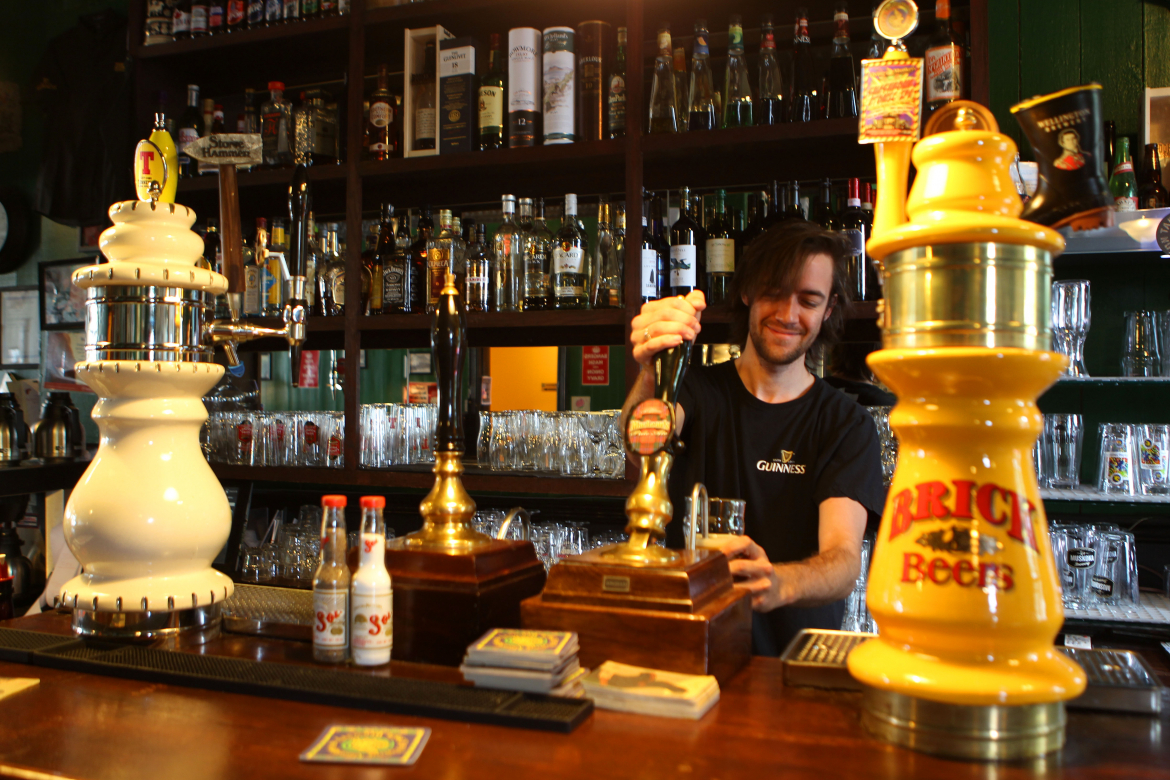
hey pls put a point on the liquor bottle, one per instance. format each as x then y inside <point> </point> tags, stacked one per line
<point>276,265</point>
<point>491,100</point>
<point>737,89</point>
<point>291,10</point>
<point>255,14</point>
<point>537,241</point>
<point>619,248</point>
<point>1151,193</point>
<point>568,261</point>
<point>720,252</point>
<point>854,230</point>
<point>1122,183</point>
<point>685,274</point>
<point>559,77</point>
<point>804,101</point>
<point>756,215</point>
<point>591,45</point>
<point>237,15</point>
<point>310,9</point>
<point>399,278</point>
<point>181,20</point>
<point>191,128</point>
<point>381,144</point>
<point>867,205</point>
<point>771,110</point>
<point>254,272</point>
<point>378,252</point>
<point>477,286</point>
<point>507,260</point>
<point>663,106</point>
<point>681,86</point>
<point>607,263</point>
<point>424,85</point>
<point>942,66</point>
<point>212,251</point>
<point>877,44</point>
<point>402,231</point>
<point>824,214</point>
<point>651,263</point>
<point>312,259</point>
<point>525,46</point>
<point>252,122</point>
<point>371,601</point>
<point>329,8</point>
<point>442,251</point>
<point>841,95</point>
<point>273,12</point>
<point>795,209</point>
<point>701,103</point>
<point>331,276</point>
<point>199,12</point>
<point>215,17</point>
<point>276,127</point>
<point>419,257</point>
<point>616,96</point>
<point>331,586</point>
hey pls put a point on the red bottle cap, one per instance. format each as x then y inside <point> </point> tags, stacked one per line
<point>868,189</point>
<point>333,501</point>
<point>276,85</point>
<point>373,502</point>
<point>854,189</point>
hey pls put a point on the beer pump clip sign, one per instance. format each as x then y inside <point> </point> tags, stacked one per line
<point>226,149</point>
<point>891,88</point>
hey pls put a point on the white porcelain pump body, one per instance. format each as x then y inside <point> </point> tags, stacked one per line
<point>148,517</point>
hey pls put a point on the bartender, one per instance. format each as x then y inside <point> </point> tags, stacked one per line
<point>763,428</point>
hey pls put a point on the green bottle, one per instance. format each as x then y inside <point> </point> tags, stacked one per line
<point>1123,184</point>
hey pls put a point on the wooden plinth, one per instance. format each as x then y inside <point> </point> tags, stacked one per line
<point>687,618</point>
<point>445,601</point>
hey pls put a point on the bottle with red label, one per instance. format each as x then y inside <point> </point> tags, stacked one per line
<point>331,586</point>
<point>942,75</point>
<point>371,599</point>
<point>1123,184</point>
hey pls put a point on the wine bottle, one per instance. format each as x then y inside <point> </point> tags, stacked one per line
<point>685,274</point>
<point>804,100</point>
<point>841,96</point>
<point>772,110</point>
<point>720,252</point>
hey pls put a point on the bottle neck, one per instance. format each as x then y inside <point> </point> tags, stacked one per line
<point>193,97</point>
<point>333,538</point>
<point>801,32</point>
<point>664,47</point>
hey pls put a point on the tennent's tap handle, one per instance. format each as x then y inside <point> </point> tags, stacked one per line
<point>448,347</point>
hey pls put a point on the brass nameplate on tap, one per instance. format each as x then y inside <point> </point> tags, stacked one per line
<point>615,584</point>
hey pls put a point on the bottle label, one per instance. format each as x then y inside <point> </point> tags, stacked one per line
<point>329,618</point>
<point>251,290</point>
<point>1118,466</point>
<point>941,74</point>
<point>649,273</point>
<point>491,108</point>
<point>568,261</point>
<point>523,79</point>
<point>1125,203</point>
<point>235,11</point>
<point>617,103</point>
<point>721,255</point>
<point>181,22</point>
<point>855,241</point>
<point>373,620</point>
<point>559,77</point>
<point>424,123</point>
<point>735,38</point>
<point>1081,557</point>
<point>186,136</point>
<point>1102,586</point>
<point>198,18</point>
<point>701,43</point>
<point>335,446</point>
<point>255,11</point>
<point>292,9</point>
<point>215,16</point>
<point>380,114</point>
<point>244,436</point>
<point>392,285</point>
<point>1152,460</point>
<point>800,34</point>
<point>311,433</point>
<point>272,11</point>
<point>664,47</point>
<point>683,259</point>
<point>437,266</point>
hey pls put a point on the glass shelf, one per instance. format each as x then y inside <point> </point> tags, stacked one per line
<point>1086,493</point>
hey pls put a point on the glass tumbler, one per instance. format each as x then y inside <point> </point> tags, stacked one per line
<point>1070,322</point>
<point>1060,453</point>
<point>1081,558</point>
<point>1152,441</point>
<point>1115,471</point>
<point>1141,355</point>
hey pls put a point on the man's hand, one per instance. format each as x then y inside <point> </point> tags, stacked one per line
<point>667,322</point>
<point>750,565</point>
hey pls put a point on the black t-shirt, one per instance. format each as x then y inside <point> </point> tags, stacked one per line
<point>784,460</point>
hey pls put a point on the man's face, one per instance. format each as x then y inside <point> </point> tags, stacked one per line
<point>783,327</point>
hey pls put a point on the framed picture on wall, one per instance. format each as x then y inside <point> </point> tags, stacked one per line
<point>20,327</point>
<point>1155,125</point>
<point>62,304</point>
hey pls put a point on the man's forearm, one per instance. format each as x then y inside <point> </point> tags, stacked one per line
<point>822,579</point>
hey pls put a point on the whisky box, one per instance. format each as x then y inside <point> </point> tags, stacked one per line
<point>525,52</point>
<point>416,49</point>
<point>458,101</point>
<point>594,59</point>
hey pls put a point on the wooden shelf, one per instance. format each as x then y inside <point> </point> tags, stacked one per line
<point>501,329</point>
<point>32,476</point>
<point>226,42</point>
<point>324,333</point>
<point>420,479</point>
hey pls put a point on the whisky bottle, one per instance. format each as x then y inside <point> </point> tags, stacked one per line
<point>332,275</point>
<point>491,100</point>
<point>399,279</point>
<point>593,53</point>
<point>198,18</point>
<point>841,97</point>
<point>381,143</point>
<point>570,268</point>
<point>419,258</point>
<point>720,252</point>
<point>191,128</point>
<point>536,258</point>
<point>181,20</point>
<point>771,110</point>
<point>254,272</point>
<point>215,17</point>
<point>804,101</point>
<point>276,127</point>
<point>525,47</point>
<point>559,97</point>
<point>663,104</point>
<point>616,108</point>
<point>508,260</point>
<point>737,89</point>
<point>701,105</point>
<point>425,84</point>
<point>331,586</point>
<point>276,262</point>
<point>606,290</point>
<point>685,274</point>
<point>379,254</point>
<point>477,286</point>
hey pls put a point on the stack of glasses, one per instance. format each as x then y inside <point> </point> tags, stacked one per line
<point>1097,565</point>
<point>889,444</point>
<point>397,434</point>
<point>1132,456</point>
<point>276,438</point>
<point>571,444</point>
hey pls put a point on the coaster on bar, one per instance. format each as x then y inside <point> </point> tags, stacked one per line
<point>383,745</point>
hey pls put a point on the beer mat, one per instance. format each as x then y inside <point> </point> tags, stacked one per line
<point>382,745</point>
<point>518,679</point>
<point>1117,681</point>
<point>528,669</point>
<point>12,685</point>
<point>614,682</point>
<point>571,688</point>
<point>524,648</point>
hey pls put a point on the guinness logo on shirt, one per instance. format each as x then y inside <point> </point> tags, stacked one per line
<point>781,465</point>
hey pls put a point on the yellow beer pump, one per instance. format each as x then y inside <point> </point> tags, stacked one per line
<point>963,584</point>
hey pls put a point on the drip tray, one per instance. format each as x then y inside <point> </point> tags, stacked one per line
<point>310,684</point>
<point>1118,680</point>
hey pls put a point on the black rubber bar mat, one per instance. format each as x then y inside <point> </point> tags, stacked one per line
<point>299,683</point>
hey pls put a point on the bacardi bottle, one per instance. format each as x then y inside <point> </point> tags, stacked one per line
<point>804,100</point>
<point>537,241</point>
<point>841,100</point>
<point>508,260</point>
<point>569,261</point>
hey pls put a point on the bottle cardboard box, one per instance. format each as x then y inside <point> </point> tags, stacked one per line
<point>458,104</point>
<point>416,47</point>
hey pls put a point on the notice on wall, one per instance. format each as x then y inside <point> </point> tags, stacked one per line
<point>595,366</point>
<point>422,392</point>
<point>308,372</point>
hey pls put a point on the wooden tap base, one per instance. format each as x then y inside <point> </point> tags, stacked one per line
<point>444,601</point>
<point>684,618</point>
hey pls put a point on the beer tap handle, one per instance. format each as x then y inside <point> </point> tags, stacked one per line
<point>670,366</point>
<point>229,230</point>
<point>300,206</point>
<point>448,346</point>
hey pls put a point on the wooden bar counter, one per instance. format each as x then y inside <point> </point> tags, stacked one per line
<point>83,726</point>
